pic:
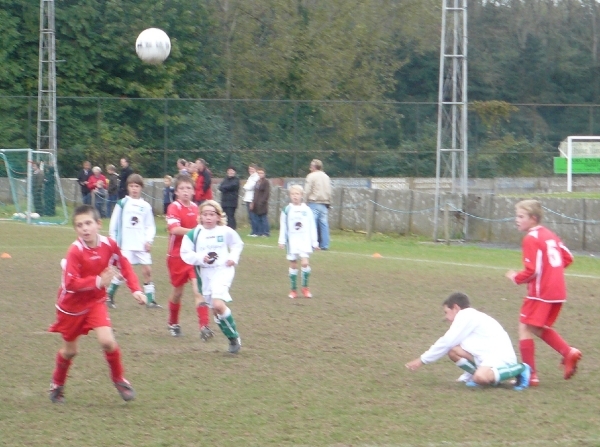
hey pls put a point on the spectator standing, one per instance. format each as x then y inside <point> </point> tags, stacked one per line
<point>49,190</point>
<point>97,183</point>
<point>260,204</point>
<point>203,190</point>
<point>249,197</point>
<point>126,171</point>
<point>168,193</point>
<point>38,188</point>
<point>182,166</point>
<point>82,178</point>
<point>230,188</point>
<point>112,189</point>
<point>317,195</point>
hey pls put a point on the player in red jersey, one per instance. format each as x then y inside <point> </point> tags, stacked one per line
<point>545,258</point>
<point>182,217</point>
<point>91,263</point>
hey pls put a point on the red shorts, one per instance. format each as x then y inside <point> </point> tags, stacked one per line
<point>72,326</point>
<point>539,313</point>
<point>179,272</point>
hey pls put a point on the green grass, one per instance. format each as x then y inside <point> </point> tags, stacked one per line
<point>324,372</point>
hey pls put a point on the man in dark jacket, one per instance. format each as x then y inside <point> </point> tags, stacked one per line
<point>82,179</point>
<point>126,171</point>
<point>260,203</point>
<point>230,187</point>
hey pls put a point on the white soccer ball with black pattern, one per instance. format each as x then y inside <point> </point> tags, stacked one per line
<point>153,46</point>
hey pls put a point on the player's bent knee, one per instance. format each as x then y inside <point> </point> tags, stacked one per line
<point>484,376</point>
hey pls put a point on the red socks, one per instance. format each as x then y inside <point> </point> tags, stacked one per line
<point>114,362</point>
<point>555,341</point>
<point>174,312</point>
<point>527,348</point>
<point>61,369</point>
<point>202,311</point>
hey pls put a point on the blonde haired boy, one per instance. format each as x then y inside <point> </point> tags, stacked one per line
<point>298,234</point>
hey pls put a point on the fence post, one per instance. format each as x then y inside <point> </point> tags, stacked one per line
<point>411,201</point>
<point>370,224</point>
<point>490,213</point>
<point>341,208</point>
<point>447,221</point>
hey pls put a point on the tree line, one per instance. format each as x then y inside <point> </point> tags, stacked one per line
<point>353,82</point>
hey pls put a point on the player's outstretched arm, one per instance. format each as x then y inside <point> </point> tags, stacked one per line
<point>415,364</point>
<point>140,297</point>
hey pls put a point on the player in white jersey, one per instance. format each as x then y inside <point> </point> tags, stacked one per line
<point>298,233</point>
<point>478,345</point>
<point>214,250</point>
<point>132,226</point>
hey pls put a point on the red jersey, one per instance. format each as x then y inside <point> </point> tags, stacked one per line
<point>202,189</point>
<point>179,215</point>
<point>80,286</point>
<point>545,258</point>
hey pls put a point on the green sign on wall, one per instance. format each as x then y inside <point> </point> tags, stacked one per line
<point>579,165</point>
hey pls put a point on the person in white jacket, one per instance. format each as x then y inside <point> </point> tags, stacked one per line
<point>478,344</point>
<point>298,233</point>
<point>249,197</point>
<point>214,250</point>
<point>132,227</point>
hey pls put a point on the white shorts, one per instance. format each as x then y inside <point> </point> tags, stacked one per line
<point>137,257</point>
<point>216,283</point>
<point>296,256</point>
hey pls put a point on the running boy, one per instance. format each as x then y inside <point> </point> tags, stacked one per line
<point>132,226</point>
<point>477,344</point>
<point>298,233</point>
<point>545,258</point>
<point>214,249</point>
<point>91,263</point>
<point>182,216</point>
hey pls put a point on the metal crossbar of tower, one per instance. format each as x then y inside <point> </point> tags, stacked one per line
<point>46,125</point>
<point>452,161</point>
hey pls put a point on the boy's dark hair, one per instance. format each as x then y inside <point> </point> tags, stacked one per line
<point>230,167</point>
<point>459,298</point>
<point>182,178</point>
<point>86,209</point>
<point>135,178</point>
<point>253,165</point>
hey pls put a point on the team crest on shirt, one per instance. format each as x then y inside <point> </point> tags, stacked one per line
<point>212,256</point>
<point>135,220</point>
<point>219,238</point>
<point>298,225</point>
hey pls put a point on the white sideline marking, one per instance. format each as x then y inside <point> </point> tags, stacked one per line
<point>433,261</point>
<point>539,442</point>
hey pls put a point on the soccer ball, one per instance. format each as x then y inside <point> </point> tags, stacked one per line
<point>153,46</point>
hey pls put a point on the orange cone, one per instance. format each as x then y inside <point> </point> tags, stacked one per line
<point>377,255</point>
<point>5,256</point>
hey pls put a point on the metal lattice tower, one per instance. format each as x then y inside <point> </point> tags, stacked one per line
<point>46,125</point>
<point>452,161</point>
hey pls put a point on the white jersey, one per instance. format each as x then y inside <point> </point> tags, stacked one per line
<point>297,229</point>
<point>132,224</point>
<point>478,334</point>
<point>220,244</point>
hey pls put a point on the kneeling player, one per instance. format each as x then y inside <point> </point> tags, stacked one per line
<point>478,345</point>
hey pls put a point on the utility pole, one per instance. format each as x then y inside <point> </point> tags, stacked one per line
<point>46,122</point>
<point>452,160</point>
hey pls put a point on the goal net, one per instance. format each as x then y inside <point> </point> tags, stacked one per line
<point>30,188</point>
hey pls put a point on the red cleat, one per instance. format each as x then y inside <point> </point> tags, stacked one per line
<point>306,292</point>
<point>534,380</point>
<point>293,294</point>
<point>570,362</point>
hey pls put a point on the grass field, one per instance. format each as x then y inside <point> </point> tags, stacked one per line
<point>322,372</point>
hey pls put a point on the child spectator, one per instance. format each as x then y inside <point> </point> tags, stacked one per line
<point>90,265</point>
<point>132,226</point>
<point>298,233</point>
<point>214,249</point>
<point>96,184</point>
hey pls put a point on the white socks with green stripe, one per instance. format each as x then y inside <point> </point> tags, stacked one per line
<point>149,291</point>
<point>466,365</point>
<point>508,372</point>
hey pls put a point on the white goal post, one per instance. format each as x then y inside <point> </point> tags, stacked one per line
<point>574,147</point>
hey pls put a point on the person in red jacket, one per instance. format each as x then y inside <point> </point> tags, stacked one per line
<point>91,263</point>
<point>202,189</point>
<point>545,258</point>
